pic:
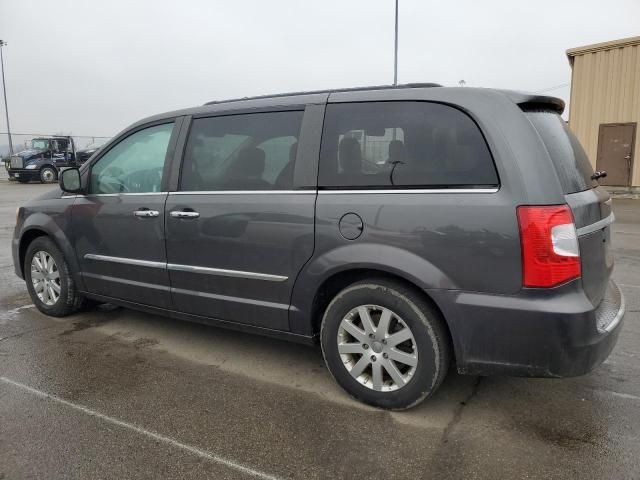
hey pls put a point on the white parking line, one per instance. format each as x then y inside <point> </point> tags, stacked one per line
<point>10,314</point>
<point>156,436</point>
<point>626,396</point>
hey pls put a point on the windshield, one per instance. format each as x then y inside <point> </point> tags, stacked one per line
<point>39,144</point>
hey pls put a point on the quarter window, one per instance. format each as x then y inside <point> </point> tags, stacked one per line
<point>135,164</point>
<point>403,145</point>
<point>254,151</point>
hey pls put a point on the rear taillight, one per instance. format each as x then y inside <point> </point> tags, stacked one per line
<point>550,254</point>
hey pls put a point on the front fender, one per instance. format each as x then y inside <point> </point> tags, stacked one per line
<point>57,225</point>
<point>383,258</point>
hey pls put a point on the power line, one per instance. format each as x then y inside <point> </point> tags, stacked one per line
<point>555,87</point>
<point>50,135</point>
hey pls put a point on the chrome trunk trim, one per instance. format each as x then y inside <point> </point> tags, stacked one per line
<point>599,225</point>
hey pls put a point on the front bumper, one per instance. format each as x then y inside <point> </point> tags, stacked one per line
<point>539,332</point>
<point>24,173</point>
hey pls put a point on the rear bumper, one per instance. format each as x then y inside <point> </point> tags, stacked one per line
<point>538,333</point>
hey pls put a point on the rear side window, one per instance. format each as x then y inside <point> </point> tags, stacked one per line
<point>402,145</point>
<point>569,158</point>
<point>253,151</point>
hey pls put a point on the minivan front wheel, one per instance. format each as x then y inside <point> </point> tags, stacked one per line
<point>385,344</point>
<point>49,279</point>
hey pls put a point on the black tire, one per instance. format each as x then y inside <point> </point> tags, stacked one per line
<point>69,301</point>
<point>48,175</point>
<point>23,180</point>
<point>425,323</point>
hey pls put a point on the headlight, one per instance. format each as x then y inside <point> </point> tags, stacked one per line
<point>31,167</point>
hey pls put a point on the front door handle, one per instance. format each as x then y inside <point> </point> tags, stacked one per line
<point>146,213</point>
<point>184,214</point>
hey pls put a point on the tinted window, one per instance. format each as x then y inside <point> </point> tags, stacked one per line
<point>135,164</point>
<point>402,144</point>
<point>569,158</point>
<point>254,151</point>
<point>60,145</point>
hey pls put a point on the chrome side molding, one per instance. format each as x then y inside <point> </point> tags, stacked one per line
<point>126,261</point>
<point>222,272</point>
<point>226,273</point>
<point>409,190</point>
<point>244,192</point>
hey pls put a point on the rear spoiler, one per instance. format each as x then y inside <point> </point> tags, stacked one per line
<point>532,101</point>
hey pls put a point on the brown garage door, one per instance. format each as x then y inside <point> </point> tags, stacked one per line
<point>615,153</point>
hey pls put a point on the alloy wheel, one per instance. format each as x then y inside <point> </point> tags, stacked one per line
<point>377,348</point>
<point>45,278</point>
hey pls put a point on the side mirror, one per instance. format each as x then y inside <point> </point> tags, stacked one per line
<point>70,180</point>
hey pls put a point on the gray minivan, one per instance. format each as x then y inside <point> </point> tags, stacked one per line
<point>406,228</point>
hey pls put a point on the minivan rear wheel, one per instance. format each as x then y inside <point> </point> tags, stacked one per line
<point>385,344</point>
<point>49,279</point>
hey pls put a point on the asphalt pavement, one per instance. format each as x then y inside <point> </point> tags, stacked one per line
<point>113,393</point>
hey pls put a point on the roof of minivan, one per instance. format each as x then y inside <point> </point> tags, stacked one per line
<point>403,92</point>
<point>327,91</point>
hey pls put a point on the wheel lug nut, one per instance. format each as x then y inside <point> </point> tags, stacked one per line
<point>385,355</point>
<point>371,335</point>
<point>365,346</point>
<point>373,358</point>
<point>384,341</point>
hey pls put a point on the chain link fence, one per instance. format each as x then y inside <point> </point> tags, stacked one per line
<point>22,141</point>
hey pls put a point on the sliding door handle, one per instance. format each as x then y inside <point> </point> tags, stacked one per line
<point>184,214</point>
<point>146,213</point>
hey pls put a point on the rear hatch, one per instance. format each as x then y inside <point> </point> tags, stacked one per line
<point>590,204</point>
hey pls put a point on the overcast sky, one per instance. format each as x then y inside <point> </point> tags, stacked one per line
<point>93,67</point>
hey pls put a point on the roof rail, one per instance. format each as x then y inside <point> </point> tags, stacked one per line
<point>335,90</point>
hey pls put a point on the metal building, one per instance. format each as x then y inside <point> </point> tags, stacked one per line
<point>604,109</point>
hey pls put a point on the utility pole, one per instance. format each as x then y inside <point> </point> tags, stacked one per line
<point>4,90</point>
<point>395,54</point>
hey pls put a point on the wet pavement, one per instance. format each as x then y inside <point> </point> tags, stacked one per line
<point>114,393</point>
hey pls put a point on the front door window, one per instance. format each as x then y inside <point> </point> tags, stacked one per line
<point>134,165</point>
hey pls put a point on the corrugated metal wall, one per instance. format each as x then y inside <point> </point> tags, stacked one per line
<point>605,88</point>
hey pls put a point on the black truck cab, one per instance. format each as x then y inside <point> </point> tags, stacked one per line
<point>44,160</point>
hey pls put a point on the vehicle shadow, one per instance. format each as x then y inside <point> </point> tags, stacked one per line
<point>264,359</point>
<point>498,400</point>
